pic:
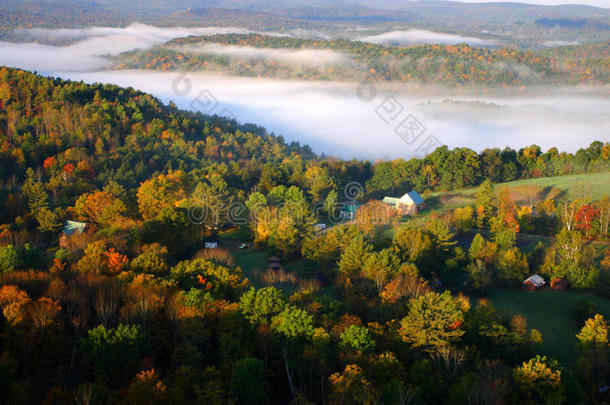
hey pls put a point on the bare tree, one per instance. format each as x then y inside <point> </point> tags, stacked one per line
<point>450,358</point>
<point>83,394</point>
<point>568,211</point>
<point>106,299</point>
<point>604,216</point>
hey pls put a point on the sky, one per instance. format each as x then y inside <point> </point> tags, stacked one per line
<point>596,3</point>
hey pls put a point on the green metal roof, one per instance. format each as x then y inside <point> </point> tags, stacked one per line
<point>390,200</point>
<point>350,208</point>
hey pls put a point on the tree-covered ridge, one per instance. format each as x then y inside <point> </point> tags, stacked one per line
<point>121,133</point>
<point>452,65</point>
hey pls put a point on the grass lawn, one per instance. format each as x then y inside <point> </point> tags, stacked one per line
<point>253,262</point>
<point>594,186</point>
<point>550,312</point>
<point>240,234</point>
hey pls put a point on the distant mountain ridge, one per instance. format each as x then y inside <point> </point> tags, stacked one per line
<point>523,25</point>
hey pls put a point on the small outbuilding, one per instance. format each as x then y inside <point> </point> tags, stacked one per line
<point>274,263</point>
<point>559,284</point>
<point>533,283</point>
<point>71,228</point>
<point>348,212</point>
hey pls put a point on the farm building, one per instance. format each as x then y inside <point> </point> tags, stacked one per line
<point>71,228</point>
<point>534,283</point>
<point>348,212</point>
<point>409,204</point>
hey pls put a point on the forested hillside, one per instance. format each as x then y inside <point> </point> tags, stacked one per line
<point>124,305</point>
<point>449,65</point>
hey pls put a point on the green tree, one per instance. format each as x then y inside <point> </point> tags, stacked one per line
<point>330,203</point>
<point>256,199</point>
<point>115,353</point>
<point>355,255</point>
<point>293,326</point>
<point>512,267</point>
<point>276,195</point>
<point>411,244</point>
<point>380,266</point>
<point>442,237</point>
<point>433,320</point>
<point>150,261</point>
<point>356,337</point>
<point>319,182</point>
<point>259,306</point>
<point>248,384</point>
<point>205,273</point>
<point>484,203</point>
<point>570,258</point>
<point>9,259</point>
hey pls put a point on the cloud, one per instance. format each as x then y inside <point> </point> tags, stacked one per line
<point>89,45</point>
<point>595,3</point>
<point>551,44</point>
<point>38,57</point>
<point>414,36</point>
<point>143,32</point>
<point>306,57</point>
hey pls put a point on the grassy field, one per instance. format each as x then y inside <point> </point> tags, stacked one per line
<point>590,186</point>
<point>550,312</point>
<point>593,186</point>
<point>253,263</point>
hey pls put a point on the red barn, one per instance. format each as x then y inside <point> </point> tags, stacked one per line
<point>534,283</point>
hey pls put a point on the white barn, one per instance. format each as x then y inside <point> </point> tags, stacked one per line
<point>409,204</point>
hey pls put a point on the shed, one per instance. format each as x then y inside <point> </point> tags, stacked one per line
<point>71,228</point>
<point>533,283</point>
<point>348,211</point>
<point>274,263</point>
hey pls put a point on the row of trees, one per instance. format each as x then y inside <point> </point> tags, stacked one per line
<point>446,169</point>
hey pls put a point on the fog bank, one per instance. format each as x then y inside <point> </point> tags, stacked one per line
<point>414,36</point>
<point>335,121</point>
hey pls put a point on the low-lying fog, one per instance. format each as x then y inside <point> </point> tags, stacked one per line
<point>414,36</point>
<point>336,118</point>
